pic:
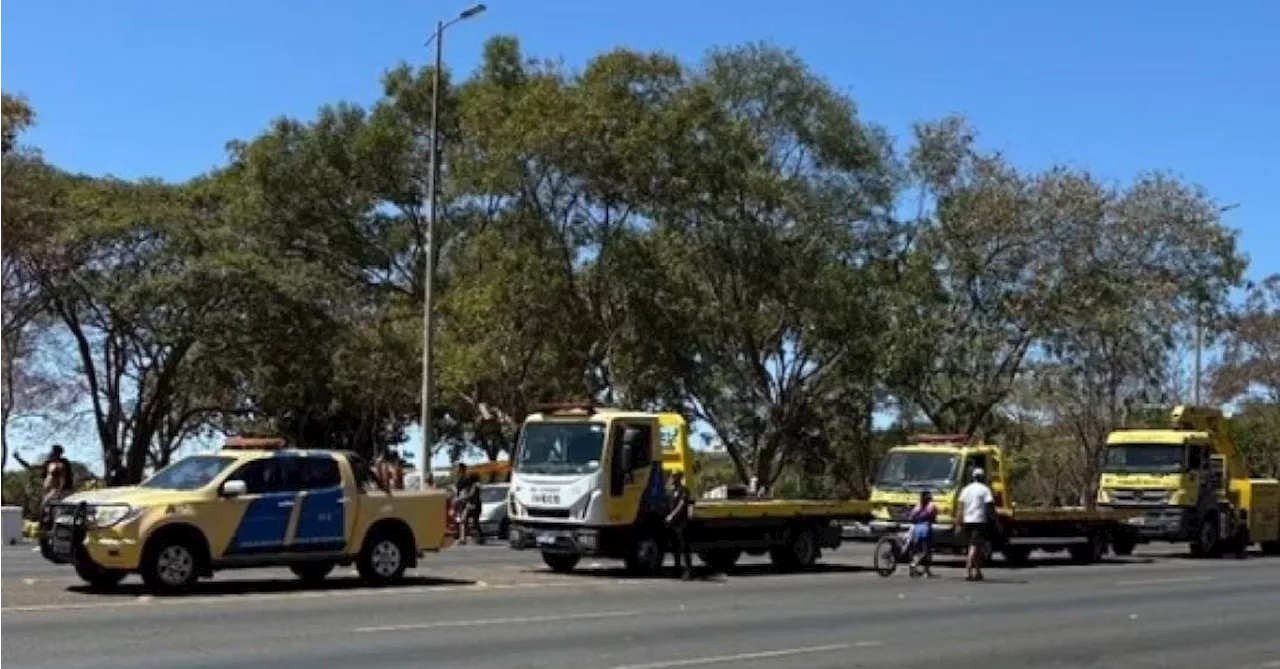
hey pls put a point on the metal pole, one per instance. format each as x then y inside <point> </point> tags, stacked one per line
<point>1195,387</point>
<point>428,289</point>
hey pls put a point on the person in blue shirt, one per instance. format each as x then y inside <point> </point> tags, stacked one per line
<point>922,518</point>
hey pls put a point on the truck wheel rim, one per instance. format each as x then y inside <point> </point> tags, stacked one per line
<point>386,558</point>
<point>175,565</point>
<point>650,556</point>
<point>804,548</point>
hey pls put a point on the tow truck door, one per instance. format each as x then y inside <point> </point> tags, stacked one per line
<point>632,471</point>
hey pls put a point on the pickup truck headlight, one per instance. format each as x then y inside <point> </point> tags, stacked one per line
<point>110,515</point>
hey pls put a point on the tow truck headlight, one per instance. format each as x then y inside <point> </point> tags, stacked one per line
<point>110,515</point>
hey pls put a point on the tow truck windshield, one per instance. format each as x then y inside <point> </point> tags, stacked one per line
<point>1145,459</point>
<point>904,470</point>
<point>189,473</point>
<point>560,448</point>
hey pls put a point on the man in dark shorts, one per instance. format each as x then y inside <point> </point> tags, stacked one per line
<point>975,502</point>
<point>678,523</point>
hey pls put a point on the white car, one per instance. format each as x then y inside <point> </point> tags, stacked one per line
<point>493,509</point>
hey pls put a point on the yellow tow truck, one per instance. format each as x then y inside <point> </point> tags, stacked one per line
<point>1187,483</point>
<point>591,481</point>
<point>252,504</point>
<point>942,465</point>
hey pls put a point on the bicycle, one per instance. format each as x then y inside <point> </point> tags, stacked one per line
<point>897,548</point>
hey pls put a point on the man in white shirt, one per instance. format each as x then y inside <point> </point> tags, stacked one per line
<point>974,502</point>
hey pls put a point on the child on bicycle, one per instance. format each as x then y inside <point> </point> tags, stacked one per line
<point>922,518</point>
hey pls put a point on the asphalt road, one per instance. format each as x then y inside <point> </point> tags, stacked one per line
<point>489,607</point>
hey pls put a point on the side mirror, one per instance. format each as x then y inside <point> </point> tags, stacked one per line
<point>234,488</point>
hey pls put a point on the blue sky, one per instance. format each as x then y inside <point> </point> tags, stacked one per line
<point>156,88</point>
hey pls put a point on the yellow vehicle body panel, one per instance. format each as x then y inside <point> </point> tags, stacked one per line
<point>1260,499</point>
<point>219,519</point>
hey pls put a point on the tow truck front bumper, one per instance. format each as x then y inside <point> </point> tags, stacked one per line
<point>1164,523</point>
<point>569,539</point>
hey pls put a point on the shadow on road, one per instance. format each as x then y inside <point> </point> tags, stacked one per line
<point>703,573</point>
<point>268,586</point>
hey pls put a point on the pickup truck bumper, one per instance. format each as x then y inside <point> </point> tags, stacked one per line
<point>66,537</point>
<point>1164,523</point>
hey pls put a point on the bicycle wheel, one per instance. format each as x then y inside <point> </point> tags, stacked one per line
<point>885,556</point>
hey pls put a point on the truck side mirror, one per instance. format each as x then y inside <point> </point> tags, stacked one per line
<point>234,488</point>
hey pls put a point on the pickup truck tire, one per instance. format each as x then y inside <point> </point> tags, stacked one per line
<point>98,578</point>
<point>799,553</point>
<point>720,559</point>
<point>561,563</point>
<point>384,558</point>
<point>170,563</point>
<point>313,572</point>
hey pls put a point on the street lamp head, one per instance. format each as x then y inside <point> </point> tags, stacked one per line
<point>472,11</point>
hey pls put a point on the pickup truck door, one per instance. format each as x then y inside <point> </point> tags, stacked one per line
<point>269,502</point>
<point>323,501</point>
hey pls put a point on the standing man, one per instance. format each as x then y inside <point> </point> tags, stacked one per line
<point>976,503</point>
<point>57,480</point>
<point>468,501</point>
<point>678,524</point>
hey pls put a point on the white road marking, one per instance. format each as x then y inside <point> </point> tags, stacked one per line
<point>1167,581</point>
<point>497,621</point>
<point>740,657</point>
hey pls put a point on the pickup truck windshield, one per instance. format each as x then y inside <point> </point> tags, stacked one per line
<point>189,473</point>
<point>564,448</point>
<point>918,471</point>
<point>1145,459</point>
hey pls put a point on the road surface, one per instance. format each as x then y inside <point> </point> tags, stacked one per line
<point>492,608</point>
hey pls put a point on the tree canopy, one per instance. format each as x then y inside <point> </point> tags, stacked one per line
<point>731,239</point>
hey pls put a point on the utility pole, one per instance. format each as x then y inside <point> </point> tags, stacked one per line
<point>429,271</point>
<point>1199,337</point>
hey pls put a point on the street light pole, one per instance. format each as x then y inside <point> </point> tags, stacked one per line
<point>429,271</point>
<point>1199,341</point>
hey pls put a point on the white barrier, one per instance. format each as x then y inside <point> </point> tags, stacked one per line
<point>12,516</point>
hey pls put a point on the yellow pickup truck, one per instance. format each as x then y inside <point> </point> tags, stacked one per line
<point>252,504</point>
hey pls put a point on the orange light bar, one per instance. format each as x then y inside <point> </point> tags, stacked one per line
<point>253,444</point>
<point>567,408</point>
<point>940,438</point>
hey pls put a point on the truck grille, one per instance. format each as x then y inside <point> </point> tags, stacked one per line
<point>543,512</point>
<point>1139,497</point>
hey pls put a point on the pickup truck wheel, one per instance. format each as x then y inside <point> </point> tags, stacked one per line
<point>646,557</point>
<point>383,559</point>
<point>801,551</point>
<point>312,573</point>
<point>98,578</point>
<point>170,565</point>
<point>720,559</point>
<point>561,563</point>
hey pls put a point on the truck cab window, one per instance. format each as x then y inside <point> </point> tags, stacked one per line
<point>641,447</point>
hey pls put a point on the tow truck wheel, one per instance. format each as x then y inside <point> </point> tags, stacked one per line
<point>170,565</point>
<point>1271,548</point>
<point>1123,546</point>
<point>720,559</point>
<point>799,553</point>
<point>560,563</point>
<point>98,578</point>
<point>383,559</point>
<point>1206,541</point>
<point>1016,555</point>
<point>312,573</point>
<point>1087,553</point>
<point>646,557</point>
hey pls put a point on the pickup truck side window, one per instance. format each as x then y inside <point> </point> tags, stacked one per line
<point>261,477</point>
<point>318,473</point>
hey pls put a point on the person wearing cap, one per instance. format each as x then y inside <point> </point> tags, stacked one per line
<point>975,502</point>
